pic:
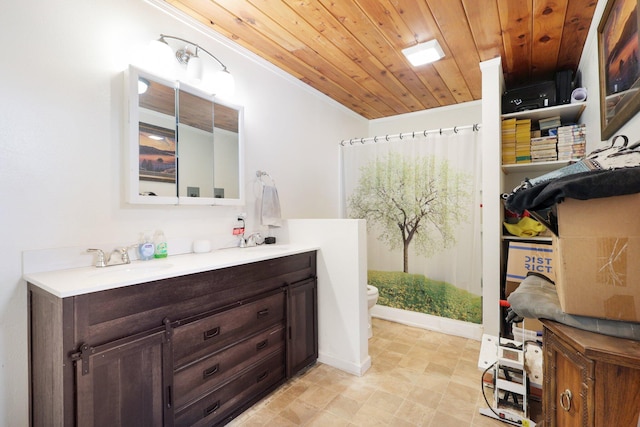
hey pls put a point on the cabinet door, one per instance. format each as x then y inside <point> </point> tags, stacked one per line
<point>617,395</point>
<point>568,394</point>
<point>302,343</point>
<point>122,384</point>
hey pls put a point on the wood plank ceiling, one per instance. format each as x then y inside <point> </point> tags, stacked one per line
<point>350,50</point>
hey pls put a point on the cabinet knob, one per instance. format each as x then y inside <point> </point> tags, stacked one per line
<point>565,400</point>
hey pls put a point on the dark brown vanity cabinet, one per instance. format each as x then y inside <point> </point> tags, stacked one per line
<point>194,350</point>
<point>303,326</point>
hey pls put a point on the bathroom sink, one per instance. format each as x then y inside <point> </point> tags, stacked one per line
<point>266,247</point>
<point>145,267</point>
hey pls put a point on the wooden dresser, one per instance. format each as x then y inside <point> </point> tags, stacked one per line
<point>590,379</point>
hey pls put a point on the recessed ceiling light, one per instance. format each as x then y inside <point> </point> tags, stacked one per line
<point>424,53</point>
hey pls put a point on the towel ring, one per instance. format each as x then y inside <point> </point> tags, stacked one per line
<point>261,174</point>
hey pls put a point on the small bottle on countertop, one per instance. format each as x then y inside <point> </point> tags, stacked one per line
<point>161,244</point>
<point>146,248</point>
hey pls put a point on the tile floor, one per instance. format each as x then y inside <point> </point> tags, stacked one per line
<point>417,378</point>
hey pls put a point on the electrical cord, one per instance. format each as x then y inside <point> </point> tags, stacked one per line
<point>484,395</point>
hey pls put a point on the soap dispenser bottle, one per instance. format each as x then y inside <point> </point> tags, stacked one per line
<point>161,244</point>
<point>146,247</point>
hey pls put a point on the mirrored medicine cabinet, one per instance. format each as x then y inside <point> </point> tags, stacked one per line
<point>184,146</point>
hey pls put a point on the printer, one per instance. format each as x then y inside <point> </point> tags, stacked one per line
<point>531,97</point>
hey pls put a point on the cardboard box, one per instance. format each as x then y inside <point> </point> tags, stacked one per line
<point>526,257</point>
<point>597,257</point>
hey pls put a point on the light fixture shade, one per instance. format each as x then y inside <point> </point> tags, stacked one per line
<point>161,56</point>
<point>143,85</point>
<point>424,53</point>
<point>225,84</point>
<point>194,69</point>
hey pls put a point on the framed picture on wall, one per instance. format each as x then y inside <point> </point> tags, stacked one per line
<point>157,159</point>
<point>619,65</point>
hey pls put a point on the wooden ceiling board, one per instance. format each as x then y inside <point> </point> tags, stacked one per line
<point>486,31</point>
<point>370,68</point>
<point>549,17</point>
<point>516,22</point>
<point>576,28</point>
<point>454,26</point>
<point>351,50</point>
<point>420,20</point>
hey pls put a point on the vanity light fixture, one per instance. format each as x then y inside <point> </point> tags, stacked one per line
<point>424,53</point>
<point>188,55</point>
<point>143,85</point>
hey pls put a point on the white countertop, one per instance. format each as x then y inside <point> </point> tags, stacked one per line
<point>78,281</point>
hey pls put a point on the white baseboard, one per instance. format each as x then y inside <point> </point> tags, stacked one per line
<point>427,321</point>
<point>345,366</point>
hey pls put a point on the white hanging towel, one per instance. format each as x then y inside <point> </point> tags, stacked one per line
<point>270,206</point>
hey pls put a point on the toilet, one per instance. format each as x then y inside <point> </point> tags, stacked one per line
<point>372,299</point>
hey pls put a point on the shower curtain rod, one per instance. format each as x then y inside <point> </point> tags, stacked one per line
<point>475,127</point>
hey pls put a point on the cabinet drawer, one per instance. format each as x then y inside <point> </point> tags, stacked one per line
<point>196,379</point>
<point>210,334</point>
<point>221,403</point>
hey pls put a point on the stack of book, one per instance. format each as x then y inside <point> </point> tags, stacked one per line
<point>548,124</point>
<point>508,141</point>
<point>544,149</point>
<point>523,141</point>
<point>571,142</point>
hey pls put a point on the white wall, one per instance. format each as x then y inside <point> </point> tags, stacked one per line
<point>61,136</point>
<point>342,288</point>
<point>465,114</point>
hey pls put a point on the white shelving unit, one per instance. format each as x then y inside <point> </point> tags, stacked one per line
<point>569,113</point>
<point>498,179</point>
<point>541,167</point>
<point>514,174</point>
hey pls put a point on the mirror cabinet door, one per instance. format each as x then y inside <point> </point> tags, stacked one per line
<point>228,152</point>
<point>152,137</point>
<point>195,147</point>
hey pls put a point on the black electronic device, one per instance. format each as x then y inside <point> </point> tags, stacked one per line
<point>564,86</point>
<point>531,97</point>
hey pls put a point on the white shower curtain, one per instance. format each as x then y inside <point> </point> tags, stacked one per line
<point>420,195</point>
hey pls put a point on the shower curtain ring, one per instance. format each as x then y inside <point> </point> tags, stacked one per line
<point>361,140</point>
<point>351,142</point>
<point>425,133</point>
<point>375,138</point>
<point>455,129</point>
<point>387,137</point>
<point>400,135</point>
<point>440,131</point>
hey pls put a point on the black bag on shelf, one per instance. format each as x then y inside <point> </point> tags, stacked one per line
<point>530,97</point>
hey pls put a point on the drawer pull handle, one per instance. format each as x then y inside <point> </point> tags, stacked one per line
<point>565,400</point>
<point>212,333</point>
<point>262,345</point>
<point>263,313</point>
<point>262,376</point>
<point>211,371</point>
<point>211,409</point>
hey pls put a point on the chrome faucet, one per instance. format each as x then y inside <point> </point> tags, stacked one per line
<point>101,261</point>
<point>254,239</point>
<point>124,256</point>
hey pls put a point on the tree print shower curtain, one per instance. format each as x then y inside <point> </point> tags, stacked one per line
<point>420,196</point>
